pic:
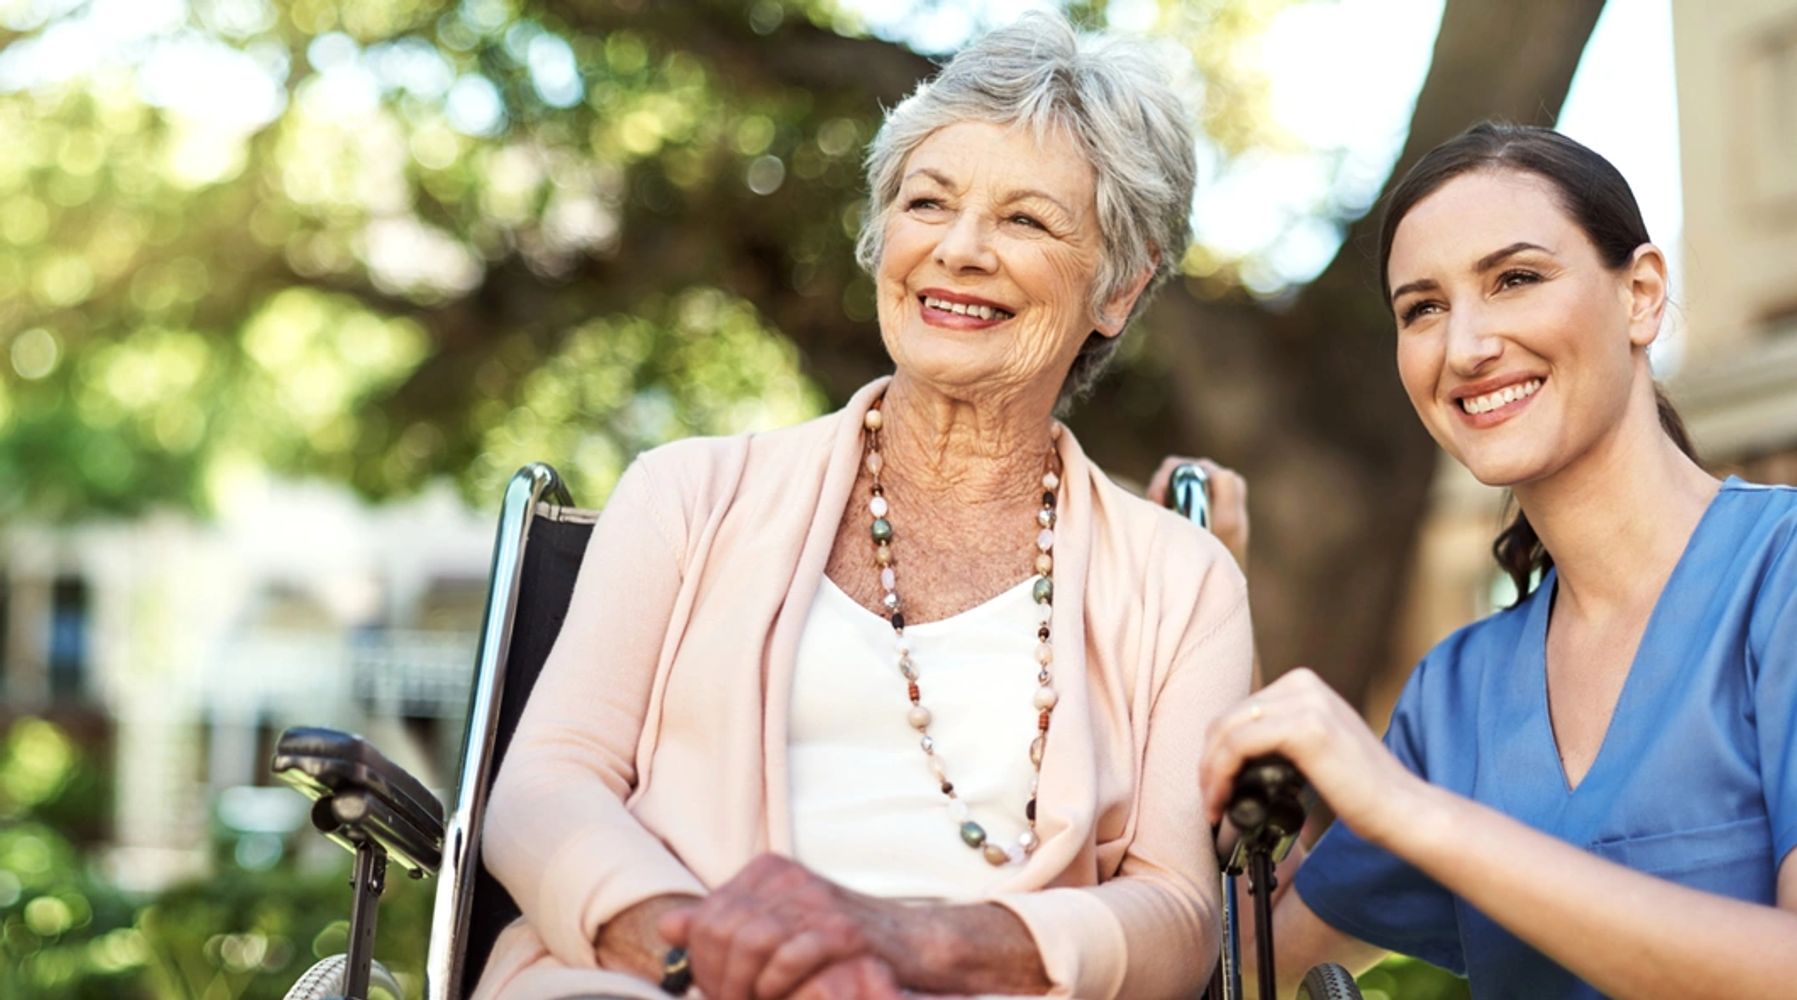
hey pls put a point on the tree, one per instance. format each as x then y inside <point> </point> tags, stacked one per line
<point>451,241</point>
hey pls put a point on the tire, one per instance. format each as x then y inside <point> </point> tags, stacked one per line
<point>1328,982</point>
<point>325,979</point>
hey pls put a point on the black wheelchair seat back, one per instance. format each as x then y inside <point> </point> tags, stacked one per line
<point>545,585</point>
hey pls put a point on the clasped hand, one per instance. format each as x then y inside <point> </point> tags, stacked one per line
<point>780,930</point>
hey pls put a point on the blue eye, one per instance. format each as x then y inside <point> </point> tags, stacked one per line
<point>1027,220</point>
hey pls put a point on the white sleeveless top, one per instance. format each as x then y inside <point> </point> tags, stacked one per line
<point>867,810</point>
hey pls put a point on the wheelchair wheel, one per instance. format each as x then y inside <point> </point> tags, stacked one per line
<point>1328,982</point>
<point>325,979</point>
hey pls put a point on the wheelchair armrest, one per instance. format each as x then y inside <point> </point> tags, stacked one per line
<point>362,795</point>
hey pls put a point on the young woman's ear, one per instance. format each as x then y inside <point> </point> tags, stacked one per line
<point>1647,288</point>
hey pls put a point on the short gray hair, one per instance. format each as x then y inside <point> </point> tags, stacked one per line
<point>1112,96</point>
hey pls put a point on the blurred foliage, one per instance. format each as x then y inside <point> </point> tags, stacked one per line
<point>67,932</point>
<point>386,240</point>
<point>1401,978</point>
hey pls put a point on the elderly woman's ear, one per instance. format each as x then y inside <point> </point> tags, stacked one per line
<point>1114,315</point>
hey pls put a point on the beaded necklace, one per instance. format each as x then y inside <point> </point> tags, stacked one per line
<point>972,833</point>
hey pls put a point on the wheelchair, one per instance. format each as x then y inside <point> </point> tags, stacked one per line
<point>372,807</point>
<point>382,814</point>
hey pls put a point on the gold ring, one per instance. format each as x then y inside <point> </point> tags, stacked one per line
<point>1254,713</point>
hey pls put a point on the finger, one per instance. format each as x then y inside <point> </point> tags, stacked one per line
<point>1247,730</point>
<point>675,926</point>
<point>796,960</point>
<point>1225,482</point>
<point>713,941</point>
<point>865,978</point>
<point>1157,483</point>
<point>750,948</point>
<point>1228,496</point>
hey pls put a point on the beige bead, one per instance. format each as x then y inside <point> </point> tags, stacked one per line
<point>1044,653</point>
<point>872,420</point>
<point>1046,698</point>
<point>883,554</point>
<point>875,463</point>
<point>995,854</point>
<point>1050,480</point>
<point>1036,747</point>
<point>1044,563</point>
<point>919,717</point>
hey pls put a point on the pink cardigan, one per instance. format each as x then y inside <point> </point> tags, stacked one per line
<point>651,757</point>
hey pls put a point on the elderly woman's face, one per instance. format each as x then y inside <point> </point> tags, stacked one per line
<point>990,252</point>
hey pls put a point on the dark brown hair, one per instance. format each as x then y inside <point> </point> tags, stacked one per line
<point>1594,195</point>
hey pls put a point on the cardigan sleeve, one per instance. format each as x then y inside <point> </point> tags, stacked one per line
<point>558,835</point>
<point>1143,932</point>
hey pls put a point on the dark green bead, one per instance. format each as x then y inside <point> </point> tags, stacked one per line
<point>1044,589</point>
<point>882,530</point>
<point>973,834</point>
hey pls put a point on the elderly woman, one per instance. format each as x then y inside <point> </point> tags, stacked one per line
<point>910,696</point>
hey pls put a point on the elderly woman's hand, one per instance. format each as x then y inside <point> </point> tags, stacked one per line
<point>1300,717</point>
<point>778,929</point>
<point>1228,501</point>
<point>864,978</point>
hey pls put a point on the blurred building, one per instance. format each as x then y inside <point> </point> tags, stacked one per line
<point>1735,381</point>
<point>181,649</point>
<point>1737,80</point>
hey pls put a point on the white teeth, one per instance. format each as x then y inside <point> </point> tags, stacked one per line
<point>1508,394</point>
<point>963,309</point>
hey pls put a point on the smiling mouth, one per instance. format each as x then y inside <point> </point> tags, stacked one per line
<point>965,309</point>
<point>1476,405</point>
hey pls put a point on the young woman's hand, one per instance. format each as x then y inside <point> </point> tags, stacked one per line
<point>1301,718</point>
<point>1228,501</point>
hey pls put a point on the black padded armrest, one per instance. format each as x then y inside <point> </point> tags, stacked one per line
<point>375,797</point>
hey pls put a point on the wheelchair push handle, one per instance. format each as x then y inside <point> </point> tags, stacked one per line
<point>1267,807</point>
<point>1188,494</point>
<point>1269,794</point>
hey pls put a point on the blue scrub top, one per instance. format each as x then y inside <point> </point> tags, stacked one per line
<point>1695,781</point>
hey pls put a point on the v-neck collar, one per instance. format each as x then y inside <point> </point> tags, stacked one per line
<point>1646,669</point>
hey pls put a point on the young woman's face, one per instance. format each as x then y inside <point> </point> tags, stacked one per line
<point>1517,346</point>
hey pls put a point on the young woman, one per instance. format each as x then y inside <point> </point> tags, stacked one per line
<point>1594,791</point>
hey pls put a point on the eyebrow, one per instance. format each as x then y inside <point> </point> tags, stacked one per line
<point>1485,263</point>
<point>1018,195</point>
<point>1491,259</point>
<point>933,174</point>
